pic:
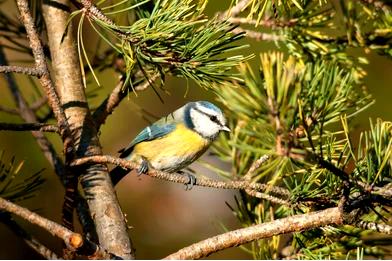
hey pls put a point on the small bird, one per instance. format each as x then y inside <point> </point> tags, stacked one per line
<point>174,141</point>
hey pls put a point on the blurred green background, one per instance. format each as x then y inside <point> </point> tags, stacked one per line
<point>162,216</point>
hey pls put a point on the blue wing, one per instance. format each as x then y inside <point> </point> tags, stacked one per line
<point>152,132</point>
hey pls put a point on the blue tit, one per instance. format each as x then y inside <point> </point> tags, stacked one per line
<point>174,141</point>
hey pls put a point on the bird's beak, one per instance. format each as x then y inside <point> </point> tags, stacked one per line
<point>225,128</point>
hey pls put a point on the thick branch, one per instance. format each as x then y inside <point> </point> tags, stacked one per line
<point>101,198</point>
<point>20,69</point>
<point>178,178</point>
<point>330,216</point>
<point>71,239</point>
<point>28,127</point>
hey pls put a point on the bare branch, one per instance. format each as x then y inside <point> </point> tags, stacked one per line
<point>178,178</point>
<point>39,103</point>
<point>116,96</point>
<point>258,36</point>
<point>330,216</point>
<point>248,176</point>
<point>28,127</point>
<point>45,80</point>
<point>272,23</point>
<point>9,110</point>
<point>235,10</point>
<point>20,69</point>
<point>29,116</point>
<point>71,239</point>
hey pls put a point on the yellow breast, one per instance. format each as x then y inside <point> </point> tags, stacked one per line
<point>173,151</point>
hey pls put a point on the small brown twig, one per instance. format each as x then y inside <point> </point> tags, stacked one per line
<point>45,80</point>
<point>271,23</point>
<point>259,36</point>
<point>9,110</point>
<point>72,240</point>
<point>178,178</point>
<point>28,115</point>
<point>39,103</point>
<point>28,127</point>
<point>248,176</point>
<point>330,216</point>
<point>32,71</point>
<point>116,96</point>
<point>235,10</point>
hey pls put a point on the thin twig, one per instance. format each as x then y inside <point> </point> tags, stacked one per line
<point>9,110</point>
<point>28,115</point>
<point>32,71</point>
<point>116,96</point>
<point>258,36</point>
<point>235,10</point>
<point>248,177</point>
<point>39,103</point>
<point>178,178</point>
<point>330,216</point>
<point>45,80</point>
<point>272,23</point>
<point>28,127</point>
<point>71,239</point>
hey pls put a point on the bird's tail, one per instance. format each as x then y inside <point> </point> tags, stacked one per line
<point>117,174</point>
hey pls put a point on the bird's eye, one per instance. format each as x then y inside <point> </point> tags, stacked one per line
<point>213,118</point>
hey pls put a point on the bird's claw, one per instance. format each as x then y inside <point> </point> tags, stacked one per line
<point>143,167</point>
<point>191,182</point>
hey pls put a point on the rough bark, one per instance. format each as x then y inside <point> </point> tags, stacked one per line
<point>101,198</point>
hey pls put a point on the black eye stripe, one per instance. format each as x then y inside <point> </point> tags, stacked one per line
<point>212,117</point>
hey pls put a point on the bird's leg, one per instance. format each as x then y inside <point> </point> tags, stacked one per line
<point>191,182</point>
<point>143,167</point>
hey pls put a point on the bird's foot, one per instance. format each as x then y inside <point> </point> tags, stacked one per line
<point>143,167</point>
<point>191,182</point>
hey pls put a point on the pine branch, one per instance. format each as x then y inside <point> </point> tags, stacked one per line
<point>32,71</point>
<point>178,178</point>
<point>28,127</point>
<point>330,216</point>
